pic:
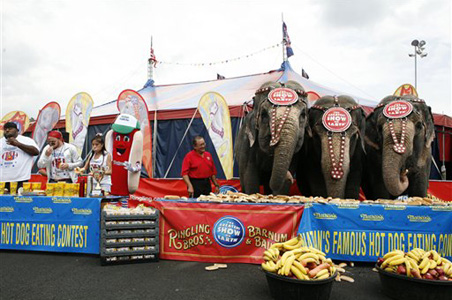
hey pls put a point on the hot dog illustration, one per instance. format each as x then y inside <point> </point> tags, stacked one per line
<point>125,143</point>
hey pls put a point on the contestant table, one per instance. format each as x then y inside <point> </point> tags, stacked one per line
<point>60,224</point>
<point>240,232</point>
<point>223,232</point>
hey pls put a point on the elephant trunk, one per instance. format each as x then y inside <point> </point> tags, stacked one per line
<point>394,172</point>
<point>280,180</point>
<point>335,187</point>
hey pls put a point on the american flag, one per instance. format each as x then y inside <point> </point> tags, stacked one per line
<point>286,40</point>
<point>152,58</point>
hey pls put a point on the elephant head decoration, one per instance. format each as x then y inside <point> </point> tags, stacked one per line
<point>331,161</point>
<point>270,136</point>
<point>399,134</point>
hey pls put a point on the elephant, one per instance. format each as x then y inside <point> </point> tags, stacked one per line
<point>398,148</point>
<point>268,139</point>
<point>331,161</point>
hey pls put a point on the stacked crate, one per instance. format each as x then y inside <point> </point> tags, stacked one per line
<point>129,237</point>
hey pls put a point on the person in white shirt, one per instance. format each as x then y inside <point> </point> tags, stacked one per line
<point>16,156</point>
<point>99,164</point>
<point>60,159</point>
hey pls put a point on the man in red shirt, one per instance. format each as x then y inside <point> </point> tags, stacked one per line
<point>198,169</point>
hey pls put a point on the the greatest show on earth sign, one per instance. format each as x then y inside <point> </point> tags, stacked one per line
<point>211,232</point>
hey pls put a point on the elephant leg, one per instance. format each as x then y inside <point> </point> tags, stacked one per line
<point>249,179</point>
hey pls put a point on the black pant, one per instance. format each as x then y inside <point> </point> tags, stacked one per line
<point>67,180</point>
<point>19,185</point>
<point>201,186</point>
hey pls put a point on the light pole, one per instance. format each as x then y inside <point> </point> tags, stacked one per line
<point>419,47</point>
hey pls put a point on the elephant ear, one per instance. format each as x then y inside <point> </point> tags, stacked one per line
<point>250,128</point>
<point>429,128</point>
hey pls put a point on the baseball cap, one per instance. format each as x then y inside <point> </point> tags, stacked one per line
<point>125,124</point>
<point>10,125</point>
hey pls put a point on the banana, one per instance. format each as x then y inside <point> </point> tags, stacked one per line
<point>321,273</point>
<point>293,247</point>
<point>445,260</point>
<point>325,276</point>
<point>433,264</point>
<point>413,264</point>
<point>268,258</point>
<point>308,260</point>
<point>391,269</point>
<point>309,254</point>
<point>413,256</point>
<point>281,271</point>
<point>435,255</point>
<point>332,269</point>
<point>284,257</point>
<point>317,251</point>
<point>419,252</point>
<point>392,253</point>
<point>426,254</point>
<point>268,267</point>
<point>288,264</point>
<point>275,253</point>
<point>291,242</point>
<point>424,263</point>
<point>300,267</point>
<point>278,246</point>
<point>408,268</point>
<point>426,267</point>
<point>278,264</point>
<point>298,273</point>
<point>386,262</point>
<point>396,262</point>
<point>446,267</point>
<point>268,255</point>
<point>439,261</point>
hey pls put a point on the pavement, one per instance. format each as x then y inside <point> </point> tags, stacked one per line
<point>48,275</point>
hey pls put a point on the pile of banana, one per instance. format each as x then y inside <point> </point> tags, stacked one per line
<point>292,259</point>
<point>417,263</point>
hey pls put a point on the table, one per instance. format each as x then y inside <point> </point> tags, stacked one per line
<point>223,232</point>
<point>60,224</point>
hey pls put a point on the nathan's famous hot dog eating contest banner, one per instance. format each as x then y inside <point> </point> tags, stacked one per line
<point>208,232</point>
<point>365,232</point>
<point>50,224</point>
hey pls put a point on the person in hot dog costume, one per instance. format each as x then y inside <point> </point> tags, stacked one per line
<point>125,143</point>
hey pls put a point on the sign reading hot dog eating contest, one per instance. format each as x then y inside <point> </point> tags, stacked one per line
<point>56,224</point>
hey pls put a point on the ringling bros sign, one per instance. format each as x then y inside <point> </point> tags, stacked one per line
<point>211,232</point>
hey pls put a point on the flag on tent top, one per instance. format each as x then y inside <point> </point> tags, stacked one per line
<point>153,58</point>
<point>286,41</point>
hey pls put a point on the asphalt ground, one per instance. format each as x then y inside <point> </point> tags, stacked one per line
<point>48,275</point>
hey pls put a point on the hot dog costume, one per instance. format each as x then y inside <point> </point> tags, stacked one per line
<point>125,143</point>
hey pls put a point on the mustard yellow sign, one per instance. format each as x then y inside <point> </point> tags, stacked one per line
<point>405,89</point>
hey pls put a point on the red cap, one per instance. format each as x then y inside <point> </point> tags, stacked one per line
<point>56,134</point>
